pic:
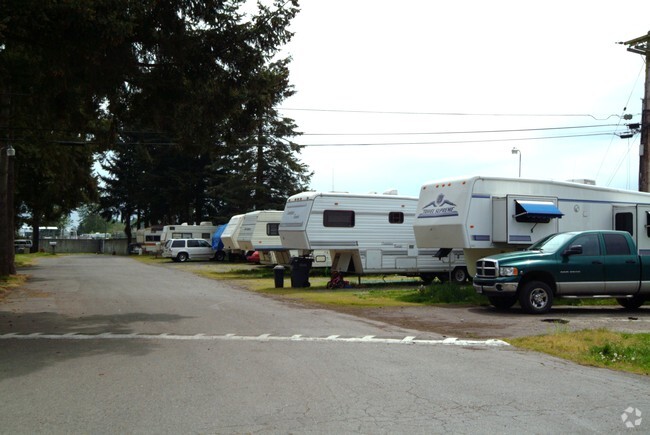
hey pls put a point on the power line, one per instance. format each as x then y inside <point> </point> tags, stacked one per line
<point>462,132</point>
<point>453,113</point>
<point>448,142</point>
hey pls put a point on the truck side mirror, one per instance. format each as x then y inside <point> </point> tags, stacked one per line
<point>572,250</point>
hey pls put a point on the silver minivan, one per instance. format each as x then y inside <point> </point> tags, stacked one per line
<point>187,249</point>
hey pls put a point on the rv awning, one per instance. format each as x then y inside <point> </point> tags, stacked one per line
<point>536,211</point>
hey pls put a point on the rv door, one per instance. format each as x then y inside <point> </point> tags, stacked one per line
<point>625,219</point>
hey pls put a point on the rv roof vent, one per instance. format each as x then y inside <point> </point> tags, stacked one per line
<point>184,223</point>
<point>584,181</point>
<point>205,223</point>
<point>391,192</point>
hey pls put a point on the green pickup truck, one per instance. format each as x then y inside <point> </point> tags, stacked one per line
<point>582,264</point>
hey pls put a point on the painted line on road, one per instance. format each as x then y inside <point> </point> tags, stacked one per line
<point>450,341</point>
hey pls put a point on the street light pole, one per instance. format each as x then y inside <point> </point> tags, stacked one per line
<point>516,151</point>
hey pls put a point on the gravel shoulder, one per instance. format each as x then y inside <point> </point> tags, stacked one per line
<point>487,322</point>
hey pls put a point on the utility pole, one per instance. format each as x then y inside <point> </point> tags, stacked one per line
<point>641,45</point>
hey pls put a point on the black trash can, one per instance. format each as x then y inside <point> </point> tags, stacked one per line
<point>278,274</point>
<point>300,267</point>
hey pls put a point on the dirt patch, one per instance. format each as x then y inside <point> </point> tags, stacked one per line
<point>487,322</point>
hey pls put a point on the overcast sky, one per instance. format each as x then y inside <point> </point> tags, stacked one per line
<point>403,73</point>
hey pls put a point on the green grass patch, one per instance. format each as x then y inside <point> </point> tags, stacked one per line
<point>25,260</point>
<point>374,291</point>
<point>8,283</point>
<point>598,348</point>
<point>445,293</point>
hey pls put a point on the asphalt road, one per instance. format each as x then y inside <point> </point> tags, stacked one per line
<point>97,344</point>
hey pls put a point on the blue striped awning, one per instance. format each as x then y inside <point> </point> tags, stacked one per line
<point>537,210</point>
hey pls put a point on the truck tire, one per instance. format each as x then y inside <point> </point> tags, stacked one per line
<point>459,275</point>
<point>536,297</point>
<point>631,303</point>
<point>502,302</point>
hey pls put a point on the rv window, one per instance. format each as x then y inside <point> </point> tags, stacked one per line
<point>152,238</point>
<point>181,235</point>
<point>206,236</point>
<point>396,217</point>
<point>624,222</point>
<point>616,244</point>
<point>338,218</point>
<point>273,229</point>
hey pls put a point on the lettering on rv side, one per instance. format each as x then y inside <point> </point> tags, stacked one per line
<point>438,208</point>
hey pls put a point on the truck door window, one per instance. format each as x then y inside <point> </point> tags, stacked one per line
<point>589,243</point>
<point>616,244</point>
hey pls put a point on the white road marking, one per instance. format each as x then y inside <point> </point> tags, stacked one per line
<point>450,341</point>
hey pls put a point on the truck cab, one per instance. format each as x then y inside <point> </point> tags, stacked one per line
<point>572,264</point>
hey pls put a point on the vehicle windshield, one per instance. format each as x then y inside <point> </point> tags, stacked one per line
<point>551,243</point>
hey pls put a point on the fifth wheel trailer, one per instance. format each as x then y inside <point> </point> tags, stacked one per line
<point>260,232</point>
<point>365,234</point>
<point>488,215</point>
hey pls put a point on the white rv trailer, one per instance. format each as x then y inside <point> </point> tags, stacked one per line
<point>487,215</point>
<point>231,233</point>
<point>260,232</point>
<point>365,234</point>
<point>184,231</point>
<point>149,238</point>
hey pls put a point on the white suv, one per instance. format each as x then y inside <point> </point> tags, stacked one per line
<point>188,249</point>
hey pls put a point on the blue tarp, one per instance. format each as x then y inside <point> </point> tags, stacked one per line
<point>541,209</point>
<point>217,244</point>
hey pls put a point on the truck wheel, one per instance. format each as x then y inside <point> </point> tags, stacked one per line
<point>182,257</point>
<point>536,297</point>
<point>503,302</point>
<point>459,275</point>
<point>631,303</point>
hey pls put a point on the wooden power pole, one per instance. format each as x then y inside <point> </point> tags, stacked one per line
<point>641,46</point>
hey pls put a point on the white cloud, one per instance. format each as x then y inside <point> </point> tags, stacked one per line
<point>469,56</point>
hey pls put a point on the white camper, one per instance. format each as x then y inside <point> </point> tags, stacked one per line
<point>149,238</point>
<point>231,233</point>
<point>487,215</point>
<point>260,232</point>
<point>365,234</point>
<point>184,231</point>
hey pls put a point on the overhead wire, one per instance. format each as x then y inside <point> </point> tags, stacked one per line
<point>453,113</point>
<point>602,162</point>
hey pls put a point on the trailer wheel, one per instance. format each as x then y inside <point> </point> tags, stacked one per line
<point>182,257</point>
<point>502,302</point>
<point>536,297</point>
<point>459,275</point>
<point>631,303</point>
<point>219,256</point>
